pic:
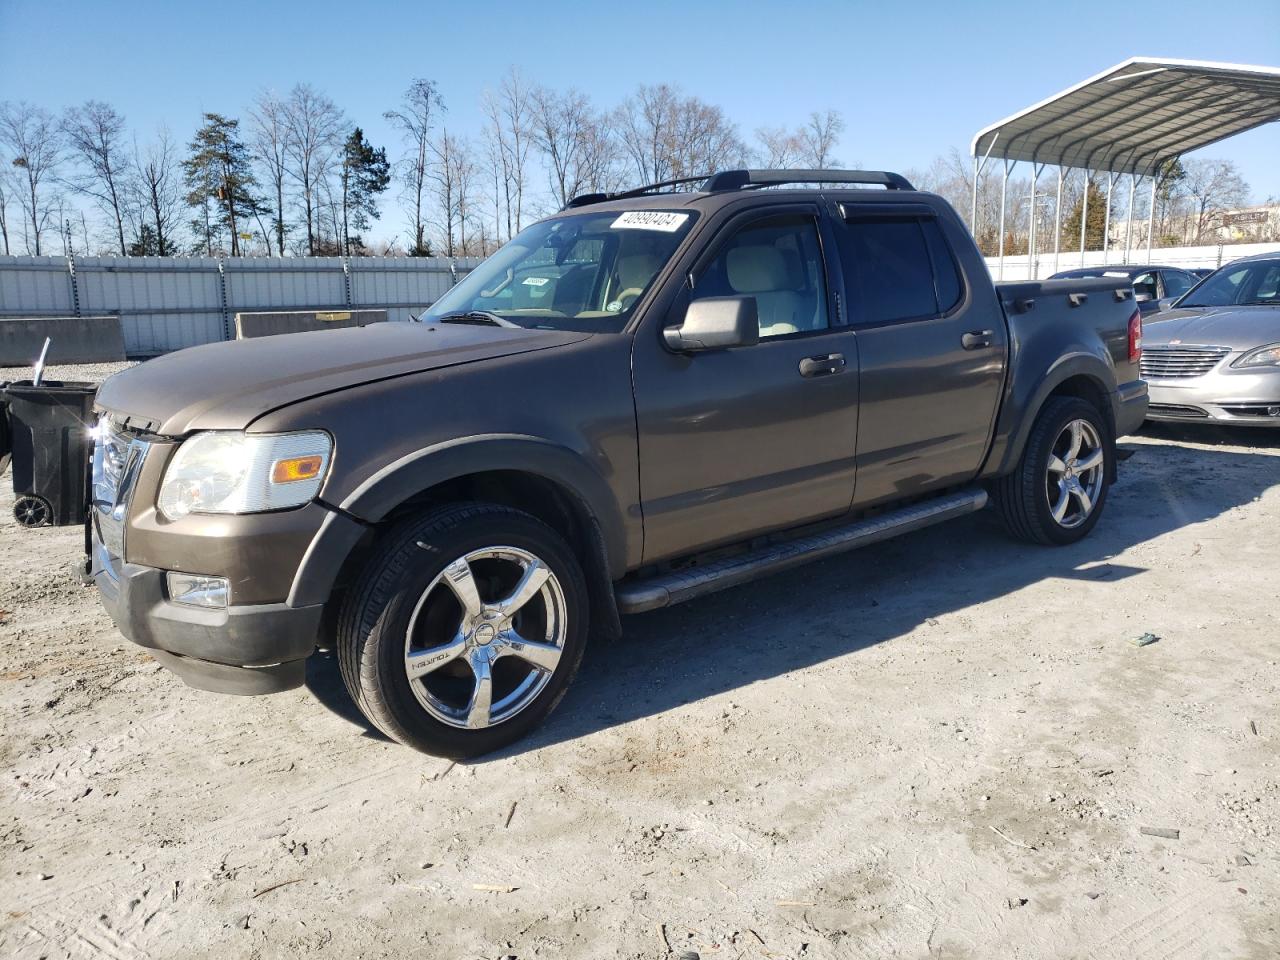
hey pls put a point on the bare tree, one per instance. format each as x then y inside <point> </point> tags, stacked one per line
<point>94,133</point>
<point>817,139</point>
<point>509,112</point>
<point>668,136</point>
<point>269,142</point>
<point>313,127</point>
<point>415,119</point>
<point>159,184</point>
<point>574,140</point>
<point>1213,187</point>
<point>644,122</point>
<point>778,148</point>
<point>31,136</point>
<point>4,207</point>
<point>446,152</point>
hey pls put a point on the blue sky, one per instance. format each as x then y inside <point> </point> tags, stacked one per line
<point>912,79</point>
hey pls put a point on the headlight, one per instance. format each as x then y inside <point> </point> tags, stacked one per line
<point>1262,357</point>
<point>225,471</point>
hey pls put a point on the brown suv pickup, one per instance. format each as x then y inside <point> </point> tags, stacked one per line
<point>646,397</point>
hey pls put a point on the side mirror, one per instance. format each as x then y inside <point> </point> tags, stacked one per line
<point>715,323</point>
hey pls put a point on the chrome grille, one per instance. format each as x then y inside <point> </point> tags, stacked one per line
<point>117,458</point>
<point>1173,363</point>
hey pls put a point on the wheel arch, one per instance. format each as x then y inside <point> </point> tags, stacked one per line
<point>1081,375</point>
<point>550,482</point>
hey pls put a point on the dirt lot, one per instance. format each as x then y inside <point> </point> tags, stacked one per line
<point>941,746</point>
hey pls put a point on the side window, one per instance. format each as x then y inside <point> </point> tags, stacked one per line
<point>1144,285</point>
<point>946,275</point>
<point>1177,283</point>
<point>887,262</point>
<point>779,262</point>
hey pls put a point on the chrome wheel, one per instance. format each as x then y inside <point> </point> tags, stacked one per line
<point>485,637</point>
<point>1075,474</point>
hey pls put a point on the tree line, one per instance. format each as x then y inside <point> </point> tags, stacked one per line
<point>294,175</point>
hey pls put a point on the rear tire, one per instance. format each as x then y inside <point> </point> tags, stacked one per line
<point>465,630</point>
<point>1059,488</point>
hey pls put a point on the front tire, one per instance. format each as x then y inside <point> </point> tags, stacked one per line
<point>1059,488</point>
<point>465,630</point>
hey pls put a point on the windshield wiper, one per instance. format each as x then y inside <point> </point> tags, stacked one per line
<point>1262,302</point>
<point>478,316</point>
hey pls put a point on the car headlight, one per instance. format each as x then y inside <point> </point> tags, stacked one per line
<point>1268,356</point>
<point>225,471</point>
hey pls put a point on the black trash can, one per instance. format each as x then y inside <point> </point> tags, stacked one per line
<point>49,431</point>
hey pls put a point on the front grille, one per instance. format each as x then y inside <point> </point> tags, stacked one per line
<point>1176,410</point>
<point>117,459</point>
<point>1175,363</point>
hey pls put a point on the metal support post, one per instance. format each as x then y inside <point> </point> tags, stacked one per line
<point>1057,223</point>
<point>1004,188</point>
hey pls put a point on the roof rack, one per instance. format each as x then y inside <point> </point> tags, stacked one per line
<point>726,180</point>
<point>738,179</point>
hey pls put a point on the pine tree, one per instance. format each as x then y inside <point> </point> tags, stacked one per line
<point>220,182</point>
<point>1097,220</point>
<point>365,174</point>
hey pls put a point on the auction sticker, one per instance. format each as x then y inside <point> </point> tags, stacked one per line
<point>650,220</point>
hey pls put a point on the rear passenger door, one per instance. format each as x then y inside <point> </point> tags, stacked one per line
<point>932,345</point>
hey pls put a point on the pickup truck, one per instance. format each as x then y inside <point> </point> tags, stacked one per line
<point>646,397</point>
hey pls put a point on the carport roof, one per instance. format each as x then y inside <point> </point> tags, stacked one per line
<point>1136,115</point>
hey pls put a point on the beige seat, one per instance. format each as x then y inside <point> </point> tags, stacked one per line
<point>633,273</point>
<point>761,272</point>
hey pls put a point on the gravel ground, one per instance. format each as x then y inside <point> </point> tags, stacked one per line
<point>941,746</point>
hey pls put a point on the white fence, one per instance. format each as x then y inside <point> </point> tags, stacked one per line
<point>1016,268</point>
<point>165,303</point>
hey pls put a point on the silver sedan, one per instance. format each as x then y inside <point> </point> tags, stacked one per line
<point>1215,356</point>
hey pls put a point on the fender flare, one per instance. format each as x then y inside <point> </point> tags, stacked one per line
<point>377,496</point>
<point>1069,366</point>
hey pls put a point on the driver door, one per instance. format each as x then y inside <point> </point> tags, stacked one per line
<point>740,441</point>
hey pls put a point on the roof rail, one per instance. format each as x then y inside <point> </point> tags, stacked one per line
<point>726,180</point>
<point>738,179</point>
<point>588,198</point>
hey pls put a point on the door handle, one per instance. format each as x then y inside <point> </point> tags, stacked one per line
<point>977,339</point>
<point>823,366</point>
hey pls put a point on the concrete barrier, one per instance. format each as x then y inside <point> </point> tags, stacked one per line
<point>270,324</point>
<point>72,340</point>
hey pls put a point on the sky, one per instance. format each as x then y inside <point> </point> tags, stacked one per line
<point>912,80</point>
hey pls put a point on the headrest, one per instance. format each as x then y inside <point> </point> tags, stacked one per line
<point>637,269</point>
<point>757,269</point>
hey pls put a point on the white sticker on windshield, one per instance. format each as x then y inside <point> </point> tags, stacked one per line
<point>536,281</point>
<point>650,220</point>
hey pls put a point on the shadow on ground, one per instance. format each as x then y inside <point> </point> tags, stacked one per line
<point>836,607</point>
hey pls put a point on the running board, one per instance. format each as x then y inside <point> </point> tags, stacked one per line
<point>670,588</point>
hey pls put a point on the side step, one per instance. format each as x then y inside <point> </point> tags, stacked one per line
<point>670,588</point>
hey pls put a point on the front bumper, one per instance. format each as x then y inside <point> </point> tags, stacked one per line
<point>248,649</point>
<point>1225,395</point>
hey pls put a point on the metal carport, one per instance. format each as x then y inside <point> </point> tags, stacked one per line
<point>1129,119</point>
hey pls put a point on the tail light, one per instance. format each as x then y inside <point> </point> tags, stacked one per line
<point>1135,337</point>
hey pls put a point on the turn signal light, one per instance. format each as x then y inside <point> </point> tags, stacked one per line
<point>296,468</point>
<point>1135,337</point>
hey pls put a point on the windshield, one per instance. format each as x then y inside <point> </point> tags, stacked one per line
<point>583,272</point>
<point>1241,285</point>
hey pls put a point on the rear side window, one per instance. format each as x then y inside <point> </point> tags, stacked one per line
<point>899,269</point>
<point>946,275</point>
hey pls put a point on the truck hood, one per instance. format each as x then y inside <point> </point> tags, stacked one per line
<point>1241,328</point>
<point>226,386</point>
